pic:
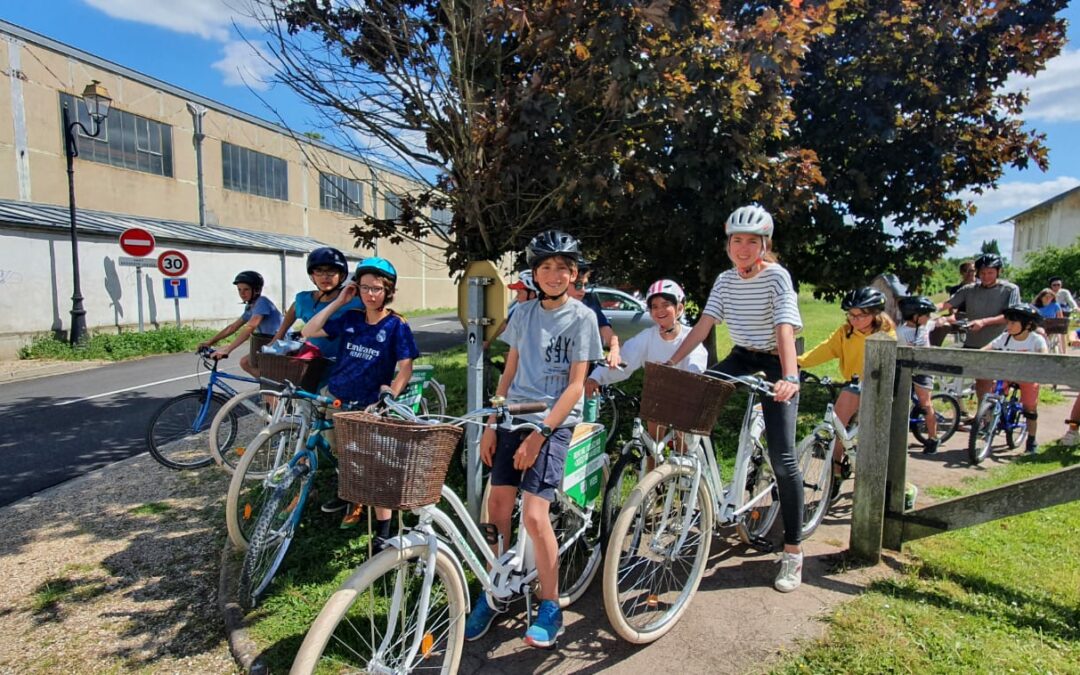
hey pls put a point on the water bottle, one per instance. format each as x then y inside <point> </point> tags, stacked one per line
<point>591,411</point>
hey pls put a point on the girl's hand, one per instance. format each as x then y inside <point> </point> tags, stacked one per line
<point>350,291</point>
<point>487,446</point>
<point>784,390</point>
<point>613,360</point>
<point>526,454</point>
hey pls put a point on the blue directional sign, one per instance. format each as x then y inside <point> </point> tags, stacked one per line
<point>175,288</point>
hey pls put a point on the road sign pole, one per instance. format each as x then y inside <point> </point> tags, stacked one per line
<point>176,305</point>
<point>138,294</point>
<point>475,388</point>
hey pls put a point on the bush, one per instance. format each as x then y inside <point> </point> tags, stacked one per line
<point>117,347</point>
<point>1049,262</point>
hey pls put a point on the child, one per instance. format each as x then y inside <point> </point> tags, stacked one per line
<point>865,316</point>
<point>1021,322</point>
<point>551,343</point>
<point>261,318</point>
<point>758,302</point>
<point>915,332</point>
<point>1073,434</point>
<point>328,270</point>
<point>374,342</point>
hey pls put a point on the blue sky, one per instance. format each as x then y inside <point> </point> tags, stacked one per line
<point>197,45</point>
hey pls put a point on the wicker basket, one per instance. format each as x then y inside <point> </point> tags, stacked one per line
<point>1055,326</point>
<point>304,373</point>
<point>390,463</point>
<point>256,343</point>
<point>685,401</point>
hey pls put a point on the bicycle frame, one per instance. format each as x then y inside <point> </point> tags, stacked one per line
<point>830,429</point>
<point>218,380</point>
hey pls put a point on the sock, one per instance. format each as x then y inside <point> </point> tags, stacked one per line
<point>382,528</point>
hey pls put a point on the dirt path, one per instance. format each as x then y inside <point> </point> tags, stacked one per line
<point>117,571</point>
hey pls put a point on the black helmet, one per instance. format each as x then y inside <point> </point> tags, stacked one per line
<point>551,243</point>
<point>328,257</point>
<point>251,278</point>
<point>583,265</point>
<point>865,298</point>
<point>1024,312</point>
<point>915,305</point>
<point>988,260</point>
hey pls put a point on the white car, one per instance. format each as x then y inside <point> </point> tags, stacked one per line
<point>628,315</point>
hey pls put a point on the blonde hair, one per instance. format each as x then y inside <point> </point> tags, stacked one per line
<point>881,323</point>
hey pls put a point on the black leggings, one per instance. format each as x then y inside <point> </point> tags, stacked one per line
<point>779,434</point>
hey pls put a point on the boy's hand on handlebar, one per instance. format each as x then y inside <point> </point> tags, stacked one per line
<point>218,355</point>
<point>784,390</point>
<point>487,446</point>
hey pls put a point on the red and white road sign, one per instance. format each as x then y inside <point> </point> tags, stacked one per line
<point>137,242</point>
<point>172,263</point>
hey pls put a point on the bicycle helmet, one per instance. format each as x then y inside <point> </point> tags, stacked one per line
<point>1025,313</point>
<point>549,244</point>
<point>667,289</point>
<point>378,266</point>
<point>750,219</point>
<point>328,257</point>
<point>251,278</point>
<point>865,298</point>
<point>524,282</point>
<point>916,305</point>
<point>988,260</point>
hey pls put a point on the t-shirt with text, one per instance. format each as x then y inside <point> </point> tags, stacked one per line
<point>368,354</point>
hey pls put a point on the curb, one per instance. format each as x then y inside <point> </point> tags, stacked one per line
<point>47,369</point>
<point>244,650</point>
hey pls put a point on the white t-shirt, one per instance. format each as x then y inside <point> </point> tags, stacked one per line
<point>1032,343</point>
<point>905,334</point>
<point>648,346</point>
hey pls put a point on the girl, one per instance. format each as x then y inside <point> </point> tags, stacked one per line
<point>758,302</point>
<point>915,332</point>
<point>865,316</point>
<point>261,319</point>
<point>1021,322</point>
<point>374,342</point>
<point>1047,304</point>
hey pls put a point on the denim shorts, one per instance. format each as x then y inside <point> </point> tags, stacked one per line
<point>544,476</point>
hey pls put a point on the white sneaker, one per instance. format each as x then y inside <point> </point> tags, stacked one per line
<point>1070,438</point>
<point>790,576</point>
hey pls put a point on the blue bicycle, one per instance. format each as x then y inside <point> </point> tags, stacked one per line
<point>179,432</point>
<point>999,410</point>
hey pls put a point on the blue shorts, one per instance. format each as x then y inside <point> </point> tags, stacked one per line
<point>544,476</point>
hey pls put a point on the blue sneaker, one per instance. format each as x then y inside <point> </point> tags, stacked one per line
<point>480,619</point>
<point>547,628</point>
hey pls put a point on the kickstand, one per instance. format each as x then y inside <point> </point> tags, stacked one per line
<point>762,544</point>
<point>528,609</point>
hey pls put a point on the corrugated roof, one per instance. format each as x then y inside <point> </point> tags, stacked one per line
<point>16,214</point>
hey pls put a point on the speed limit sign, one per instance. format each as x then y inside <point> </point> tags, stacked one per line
<point>172,263</point>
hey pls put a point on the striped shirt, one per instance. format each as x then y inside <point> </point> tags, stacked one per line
<point>753,308</point>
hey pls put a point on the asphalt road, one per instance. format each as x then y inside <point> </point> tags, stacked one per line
<point>59,427</point>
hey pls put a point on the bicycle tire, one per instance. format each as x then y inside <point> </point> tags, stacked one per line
<point>247,491</point>
<point>947,411</point>
<point>272,534</point>
<point>433,404</point>
<point>171,436</point>
<point>628,471</point>
<point>353,622</point>
<point>580,561</point>
<point>815,465</point>
<point>755,523</point>
<point>1016,428</point>
<point>983,430</point>
<point>661,609</point>
<point>246,414</point>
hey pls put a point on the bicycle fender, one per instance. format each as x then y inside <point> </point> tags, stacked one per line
<point>410,539</point>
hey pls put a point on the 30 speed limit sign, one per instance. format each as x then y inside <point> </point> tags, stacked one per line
<point>172,263</point>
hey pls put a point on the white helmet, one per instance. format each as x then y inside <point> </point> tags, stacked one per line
<point>750,219</point>
<point>666,287</point>
<point>526,277</point>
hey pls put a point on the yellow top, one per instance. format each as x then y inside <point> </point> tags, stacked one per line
<point>851,350</point>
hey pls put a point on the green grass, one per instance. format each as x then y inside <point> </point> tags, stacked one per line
<point>118,346</point>
<point>51,592</point>
<point>151,509</point>
<point>430,311</point>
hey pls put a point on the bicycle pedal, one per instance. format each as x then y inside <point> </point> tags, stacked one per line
<point>490,532</point>
<point>763,545</point>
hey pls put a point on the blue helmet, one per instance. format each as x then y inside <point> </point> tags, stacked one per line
<point>328,257</point>
<point>378,266</point>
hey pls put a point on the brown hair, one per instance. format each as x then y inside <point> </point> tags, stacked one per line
<point>1039,297</point>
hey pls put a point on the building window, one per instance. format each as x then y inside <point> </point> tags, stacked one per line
<point>253,172</point>
<point>391,206</point>
<point>441,218</point>
<point>127,140</point>
<point>337,193</point>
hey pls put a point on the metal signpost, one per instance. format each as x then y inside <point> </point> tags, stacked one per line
<point>176,289</point>
<point>137,242</point>
<point>174,264</point>
<point>138,264</point>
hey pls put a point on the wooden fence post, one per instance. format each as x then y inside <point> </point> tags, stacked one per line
<point>896,473</point>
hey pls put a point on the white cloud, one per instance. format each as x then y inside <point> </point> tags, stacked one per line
<point>1013,197</point>
<point>1054,92</point>
<point>245,64</point>
<point>209,19</point>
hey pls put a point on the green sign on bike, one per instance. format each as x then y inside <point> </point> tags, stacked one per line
<point>584,464</point>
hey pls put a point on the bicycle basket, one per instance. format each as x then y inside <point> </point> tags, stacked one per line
<point>255,344</point>
<point>681,400</point>
<point>1054,326</point>
<point>391,463</point>
<point>304,373</point>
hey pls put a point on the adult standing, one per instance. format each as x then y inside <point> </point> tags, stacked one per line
<point>1064,298</point>
<point>985,303</point>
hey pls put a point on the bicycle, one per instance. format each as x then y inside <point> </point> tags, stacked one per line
<point>660,541</point>
<point>611,403</point>
<point>817,451</point>
<point>405,608</point>
<point>946,411</point>
<point>178,433</point>
<point>999,410</point>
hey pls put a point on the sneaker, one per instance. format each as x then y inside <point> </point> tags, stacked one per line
<point>334,505</point>
<point>480,619</point>
<point>545,631</point>
<point>1070,438</point>
<point>930,446</point>
<point>352,516</point>
<point>790,576</point>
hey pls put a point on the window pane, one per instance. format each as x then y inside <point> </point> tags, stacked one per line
<point>166,149</point>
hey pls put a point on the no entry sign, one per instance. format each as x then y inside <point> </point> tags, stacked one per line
<point>137,242</point>
<point>172,263</point>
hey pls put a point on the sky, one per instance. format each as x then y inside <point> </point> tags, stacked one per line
<point>206,46</point>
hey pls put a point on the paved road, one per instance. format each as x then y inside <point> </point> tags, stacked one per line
<point>59,427</point>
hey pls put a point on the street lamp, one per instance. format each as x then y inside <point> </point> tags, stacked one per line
<point>97,101</point>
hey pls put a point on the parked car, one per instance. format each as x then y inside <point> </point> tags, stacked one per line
<point>628,315</point>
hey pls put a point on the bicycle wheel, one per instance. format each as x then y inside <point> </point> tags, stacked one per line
<point>983,428</point>
<point>628,471</point>
<point>946,411</point>
<point>755,523</point>
<point>815,465</point>
<point>248,488</point>
<point>433,399</point>
<point>237,423</point>
<point>1016,430</point>
<point>371,622</point>
<point>580,561</point>
<point>179,432</point>
<point>648,584</point>
<point>273,531</point>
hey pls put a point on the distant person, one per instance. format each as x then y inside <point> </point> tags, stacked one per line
<point>1021,322</point>
<point>261,319</point>
<point>915,312</point>
<point>607,333</point>
<point>524,290</point>
<point>1047,304</point>
<point>967,276</point>
<point>1064,298</point>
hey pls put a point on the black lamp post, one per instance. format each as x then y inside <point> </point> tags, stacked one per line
<point>97,101</point>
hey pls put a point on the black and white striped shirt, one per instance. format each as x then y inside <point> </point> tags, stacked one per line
<point>753,308</point>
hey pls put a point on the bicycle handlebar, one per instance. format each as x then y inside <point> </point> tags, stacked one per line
<point>503,413</point>
<point>526,407</point>
<point>288,389</point>
<point>756,382</point>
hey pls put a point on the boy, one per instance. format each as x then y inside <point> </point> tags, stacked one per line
<point>1021,320</point>
<point>261,319</point>
<point>551,340</point>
